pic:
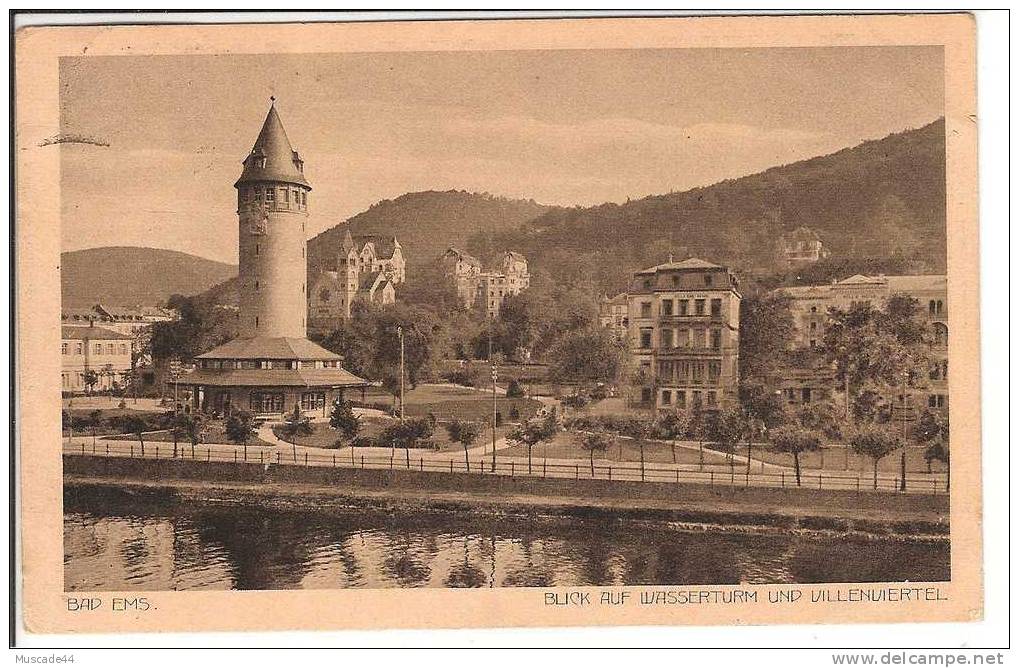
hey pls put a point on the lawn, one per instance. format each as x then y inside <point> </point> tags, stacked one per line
<point>81,417</point>
<point>842,458</point>
<point>325,437</point>
<point>567,446</point>
<point>215,433</point>
<point>448,402</point>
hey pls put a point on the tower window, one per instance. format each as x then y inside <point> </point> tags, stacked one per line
<point>256,285</point>
<point>256,322</point>
<point>286,196</point>
<point>304,198</point>
<point>270,195</point>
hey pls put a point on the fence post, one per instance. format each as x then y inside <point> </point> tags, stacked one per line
<point>746,483</point>
<point>362,461</point>
<point>278,457</point>
<point>334,460</point>
<point>819,477</point>
<point>783,478</point>
<point>857,483</point>
<point>132,449</point>
<point>261,453</point>
<point>306,458</point>
<point>83,448</point>
<point>512,469</point>
<point>421,463</point>
<point>450,465</point>
<point>578,470</point>
<point>544,467</point>
<point>235,456</point>
<point>712,478</point>
<point>208,454</point>
<point>157,451</point>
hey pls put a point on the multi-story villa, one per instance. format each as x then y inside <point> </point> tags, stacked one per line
<point>486,289</point>
<point>366,268</point>
<point>809,305</point>
<point>684,334</point>
<point>802,246</point>
<point>90,348</point>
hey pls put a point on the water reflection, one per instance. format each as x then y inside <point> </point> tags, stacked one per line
<point>144,543</point>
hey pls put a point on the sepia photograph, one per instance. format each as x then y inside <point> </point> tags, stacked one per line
<point>670,318</point>
<point>437,320</point>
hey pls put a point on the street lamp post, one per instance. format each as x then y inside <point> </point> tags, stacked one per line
<point>495,410</point>
<point>399,331</point>
<point>902,458</point>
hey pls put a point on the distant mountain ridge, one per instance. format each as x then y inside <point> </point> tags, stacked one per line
<point>135,276</point>
<point>882,198</point>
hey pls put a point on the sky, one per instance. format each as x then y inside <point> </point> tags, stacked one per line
<point>567,127</point>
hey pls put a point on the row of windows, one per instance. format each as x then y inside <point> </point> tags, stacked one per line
<point>684,372</point>
<point>268,364</point>
<point>681,307</point>
<point>708,281</point>
<point>696,398</point>
<point>272,402</point>
<point>97,348</point>
<point>269,194</point>
<point>683,338</point>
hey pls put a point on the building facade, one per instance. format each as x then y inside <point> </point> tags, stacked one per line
<point>487,290</point>
<point>105,352</point>
<point>810,304</point>
<point>802,246</point>
<point>684,335</point>
<point>613,315</point>
<point>367,268</point>
<point>271,367</point>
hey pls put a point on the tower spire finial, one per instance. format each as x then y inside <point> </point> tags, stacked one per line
<point>272,100</point>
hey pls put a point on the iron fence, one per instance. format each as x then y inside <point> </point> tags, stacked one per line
<point>538,468</point>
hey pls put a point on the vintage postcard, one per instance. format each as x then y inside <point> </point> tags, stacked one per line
<point>648,321</point>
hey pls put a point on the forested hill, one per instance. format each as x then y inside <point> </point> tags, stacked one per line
<point>426,223</point>
<point>881,199</point>
<point>131,276</point>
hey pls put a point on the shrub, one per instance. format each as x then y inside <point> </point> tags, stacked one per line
<point>514,413</point>
<point>514,390</point>
<point>365,442</point>
<point>600,392</point>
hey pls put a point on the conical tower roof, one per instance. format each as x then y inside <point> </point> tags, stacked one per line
<point>272,158</point>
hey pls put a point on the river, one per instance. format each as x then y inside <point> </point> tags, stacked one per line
<point>116,544</point>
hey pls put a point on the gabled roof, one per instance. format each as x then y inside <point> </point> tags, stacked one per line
<point>282,162</point>
<point>79,333</point>
<point>367,280</point>
<point>385,245</point>
<point>689,263</point>
<point>860,279</point>
<point>270,348</point>
<point>806,291</point>
<point>462,255</point>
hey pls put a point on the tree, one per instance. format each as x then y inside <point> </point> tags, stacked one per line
<point>727,428</point>
<point>590,354</point>
<point>195,425</point>
<point>343,419</point>
<point>823,417</point>
<point>794,439</point>
<point>674,425</point>
<point>766,326</point>
<point>95,419</point>
<point>533,432</point>
<point>178,427</point>
<point>240,427</point>
<point>67,422</point>
<point>90,378</point>
<point>641,431</point>
<point>465,433</point>
<point>874,441</point>
<point>296,424</point>
<point>938,449</point>
<point>514,389</point>
<point>137,426</point>
<point>598,442</point>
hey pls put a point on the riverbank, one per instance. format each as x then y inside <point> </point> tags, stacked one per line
<point>688,507</point>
